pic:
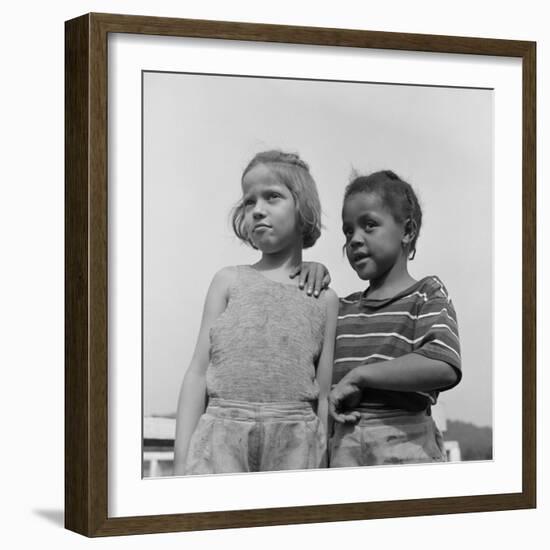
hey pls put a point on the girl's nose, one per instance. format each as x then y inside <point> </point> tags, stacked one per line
<point>356,239</point>
<point>259,211</point>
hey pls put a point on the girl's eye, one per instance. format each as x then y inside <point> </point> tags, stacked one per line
<point>274,196</point>
<point>370,225</point>
<point>248,202</point>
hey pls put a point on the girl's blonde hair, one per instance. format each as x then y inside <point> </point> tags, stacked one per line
<point>293,172</point>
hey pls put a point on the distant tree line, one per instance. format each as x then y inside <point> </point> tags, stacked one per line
<point>475,443</point>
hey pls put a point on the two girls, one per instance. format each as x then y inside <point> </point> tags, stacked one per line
<point>264,354</point>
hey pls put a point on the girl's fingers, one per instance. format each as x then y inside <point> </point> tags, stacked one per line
<point>344,418</point>
<point>309,278</point>
<point>295,272</point>
<point>332,407</point>
<point>313,277</point>
<point>304,275</point>
<point>351,417</point>
<point>318,281</point>
<point>338,416</point>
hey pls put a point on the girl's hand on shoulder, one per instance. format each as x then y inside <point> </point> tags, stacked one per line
<point>313,276</point>
<point>343,398</point>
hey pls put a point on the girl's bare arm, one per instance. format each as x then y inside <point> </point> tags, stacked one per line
<point>409,373</point>
<point>192,398</point>
<point>324,365</point>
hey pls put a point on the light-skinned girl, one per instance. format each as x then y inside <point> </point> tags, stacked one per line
<point>397,341</point>
<point>254,397</point>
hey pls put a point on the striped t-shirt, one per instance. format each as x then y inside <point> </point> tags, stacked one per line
<point>420,319</point>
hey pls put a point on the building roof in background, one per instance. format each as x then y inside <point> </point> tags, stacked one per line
<point>158,427</point>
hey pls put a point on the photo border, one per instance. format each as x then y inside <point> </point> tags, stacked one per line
<point>86,279</point>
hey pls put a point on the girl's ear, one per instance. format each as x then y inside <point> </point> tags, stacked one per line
<point>409,232</point>
<point>408,237</point>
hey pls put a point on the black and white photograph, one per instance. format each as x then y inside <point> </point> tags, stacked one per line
<point>317,274</point>
<point>174,173</point>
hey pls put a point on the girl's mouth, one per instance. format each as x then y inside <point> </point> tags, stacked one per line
<point>360,259</point>
<point>361,263</point>
<point>260,227</point>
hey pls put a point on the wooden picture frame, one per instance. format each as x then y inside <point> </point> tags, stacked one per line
<point>86,283</point>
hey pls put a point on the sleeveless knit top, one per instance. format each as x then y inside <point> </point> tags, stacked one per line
<point>265,345</point>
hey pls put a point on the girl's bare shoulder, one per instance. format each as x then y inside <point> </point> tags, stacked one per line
<point>330,298</point>
<point>225,277</point>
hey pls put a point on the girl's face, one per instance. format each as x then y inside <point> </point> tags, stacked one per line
<point>269,211</point>
<point>374,239</point>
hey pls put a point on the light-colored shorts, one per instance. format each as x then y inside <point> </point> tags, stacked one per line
<point>238,436</point>
<point>395,439</point>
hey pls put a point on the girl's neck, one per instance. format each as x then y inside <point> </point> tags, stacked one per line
<point>284,261</point>
<point>391,283</point>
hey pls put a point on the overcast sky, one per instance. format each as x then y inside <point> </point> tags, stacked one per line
<point>200,131</point>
